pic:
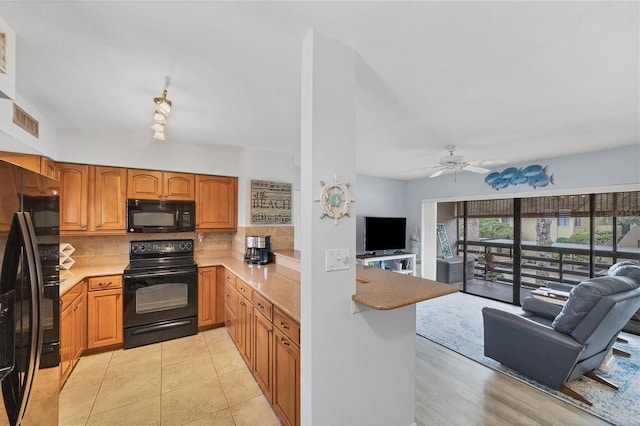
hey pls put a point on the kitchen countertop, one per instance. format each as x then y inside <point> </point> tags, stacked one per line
<point>278,284</point>
<point>382,289</point>
<point>376,288</point>
<point>69,278</point>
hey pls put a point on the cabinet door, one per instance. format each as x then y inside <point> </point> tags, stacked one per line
<point>79,339</point>
<point>220,294</point>
<point>66,336</point>
<point>216,203</point>
<point>207,296</point>
<point>286,378</point>
<point>110,199</point>
<point>178,186</point>
<point>263,351</point>
<point>104,318</point>
<point>144,184</point>
<point>74,180</point>
<point>231,322</point>
<point>243,330</point>
<point>48,168</point>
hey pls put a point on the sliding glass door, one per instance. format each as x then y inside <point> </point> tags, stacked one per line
<point>517,245</point>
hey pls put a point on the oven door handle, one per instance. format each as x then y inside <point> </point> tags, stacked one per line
<point>156,274</point>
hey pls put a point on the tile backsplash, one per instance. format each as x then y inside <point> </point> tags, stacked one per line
<point>110,249</point>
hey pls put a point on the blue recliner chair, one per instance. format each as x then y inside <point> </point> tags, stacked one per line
<point>555,349</point>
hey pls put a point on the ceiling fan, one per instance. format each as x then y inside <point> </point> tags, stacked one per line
<point>454,163</point>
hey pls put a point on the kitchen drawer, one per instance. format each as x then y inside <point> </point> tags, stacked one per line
<point>229,278</point>
<point>106,282</point>
<point>245,290</point>
<point>263,306</point>
<point>70,296</point>
<point>288,326</point>
<point>230,297</point>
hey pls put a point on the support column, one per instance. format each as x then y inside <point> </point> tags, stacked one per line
<point>356,368</point>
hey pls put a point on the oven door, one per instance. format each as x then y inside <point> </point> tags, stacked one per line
<point>159,296</point>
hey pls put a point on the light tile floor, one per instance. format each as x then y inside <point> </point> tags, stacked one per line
<point>195,380</point>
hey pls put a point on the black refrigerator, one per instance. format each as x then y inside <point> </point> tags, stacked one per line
<point>29,297</point>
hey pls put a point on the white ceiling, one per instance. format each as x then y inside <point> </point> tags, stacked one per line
<point>515,81</point>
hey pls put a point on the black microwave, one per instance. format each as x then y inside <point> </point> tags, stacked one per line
<point>161,216</point>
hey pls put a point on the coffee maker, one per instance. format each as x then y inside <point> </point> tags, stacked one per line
<point>258,250</point>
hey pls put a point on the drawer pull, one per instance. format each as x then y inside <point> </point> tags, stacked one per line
<point>242,302</point>
<point>104,284</point>
<point>284,326</point>
<point>260,305</point>
<point>284,342</point>
<point>242,289</point>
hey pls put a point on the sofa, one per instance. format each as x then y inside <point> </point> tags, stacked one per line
<point>554,345</point>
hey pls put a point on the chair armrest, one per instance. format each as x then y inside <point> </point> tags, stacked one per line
<point>533,349</point>
<point>541,308</point>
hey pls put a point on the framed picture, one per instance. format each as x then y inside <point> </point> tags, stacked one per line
<point>270,202</point>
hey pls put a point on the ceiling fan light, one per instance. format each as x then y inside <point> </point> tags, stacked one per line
<point>157,127</point>
<point>158,135</point>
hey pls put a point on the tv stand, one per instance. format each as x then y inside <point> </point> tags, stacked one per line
<point>407,262</point>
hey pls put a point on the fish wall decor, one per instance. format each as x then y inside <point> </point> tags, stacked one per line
<point>535,175</point>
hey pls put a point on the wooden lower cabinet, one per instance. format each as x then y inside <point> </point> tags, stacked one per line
<point>263,352</point>
<point>286,378</point>
<point>73,323</point>
<point>104,316</point>
<point>269,341</point>
<point>244,329</point>
<point>211,297</point>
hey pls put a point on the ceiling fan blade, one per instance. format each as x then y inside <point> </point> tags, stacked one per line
<point>475,169</point>
<point>486,162</point>
<point>436,173</point>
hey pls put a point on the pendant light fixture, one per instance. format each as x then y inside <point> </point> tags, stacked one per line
<point>163,108</point>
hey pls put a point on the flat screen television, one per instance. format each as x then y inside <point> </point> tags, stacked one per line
<point>384,233</point>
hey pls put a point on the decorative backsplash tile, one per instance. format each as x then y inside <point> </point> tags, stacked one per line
<point>110,249</point>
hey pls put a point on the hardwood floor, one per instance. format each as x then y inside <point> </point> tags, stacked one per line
<point>454,390</point>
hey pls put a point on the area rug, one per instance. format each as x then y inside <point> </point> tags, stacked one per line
<point>455,322</point>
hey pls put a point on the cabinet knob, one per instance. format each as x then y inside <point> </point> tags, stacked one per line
<point>83,226</point>
<point>284,342</point>
<point>97,225</point>
<point>284,326</point>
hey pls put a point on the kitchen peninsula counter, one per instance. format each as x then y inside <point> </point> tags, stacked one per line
<point>381,289</point>
<point>384,290</point>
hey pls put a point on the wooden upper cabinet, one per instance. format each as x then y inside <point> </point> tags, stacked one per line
<point>92,199</point>
<point>109,199</point>
<point>74,183</point>
<point>216,203</point>
<point>36,163</point>
<point>154,185</point>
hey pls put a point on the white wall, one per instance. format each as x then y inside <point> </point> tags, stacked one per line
<point>16,139</point>
<point>603,171</point>
<point>269,165</point>
<point>380,197</point>
<point>124,151</point>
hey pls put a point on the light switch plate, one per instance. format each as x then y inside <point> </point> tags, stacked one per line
<point>337,259</point>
